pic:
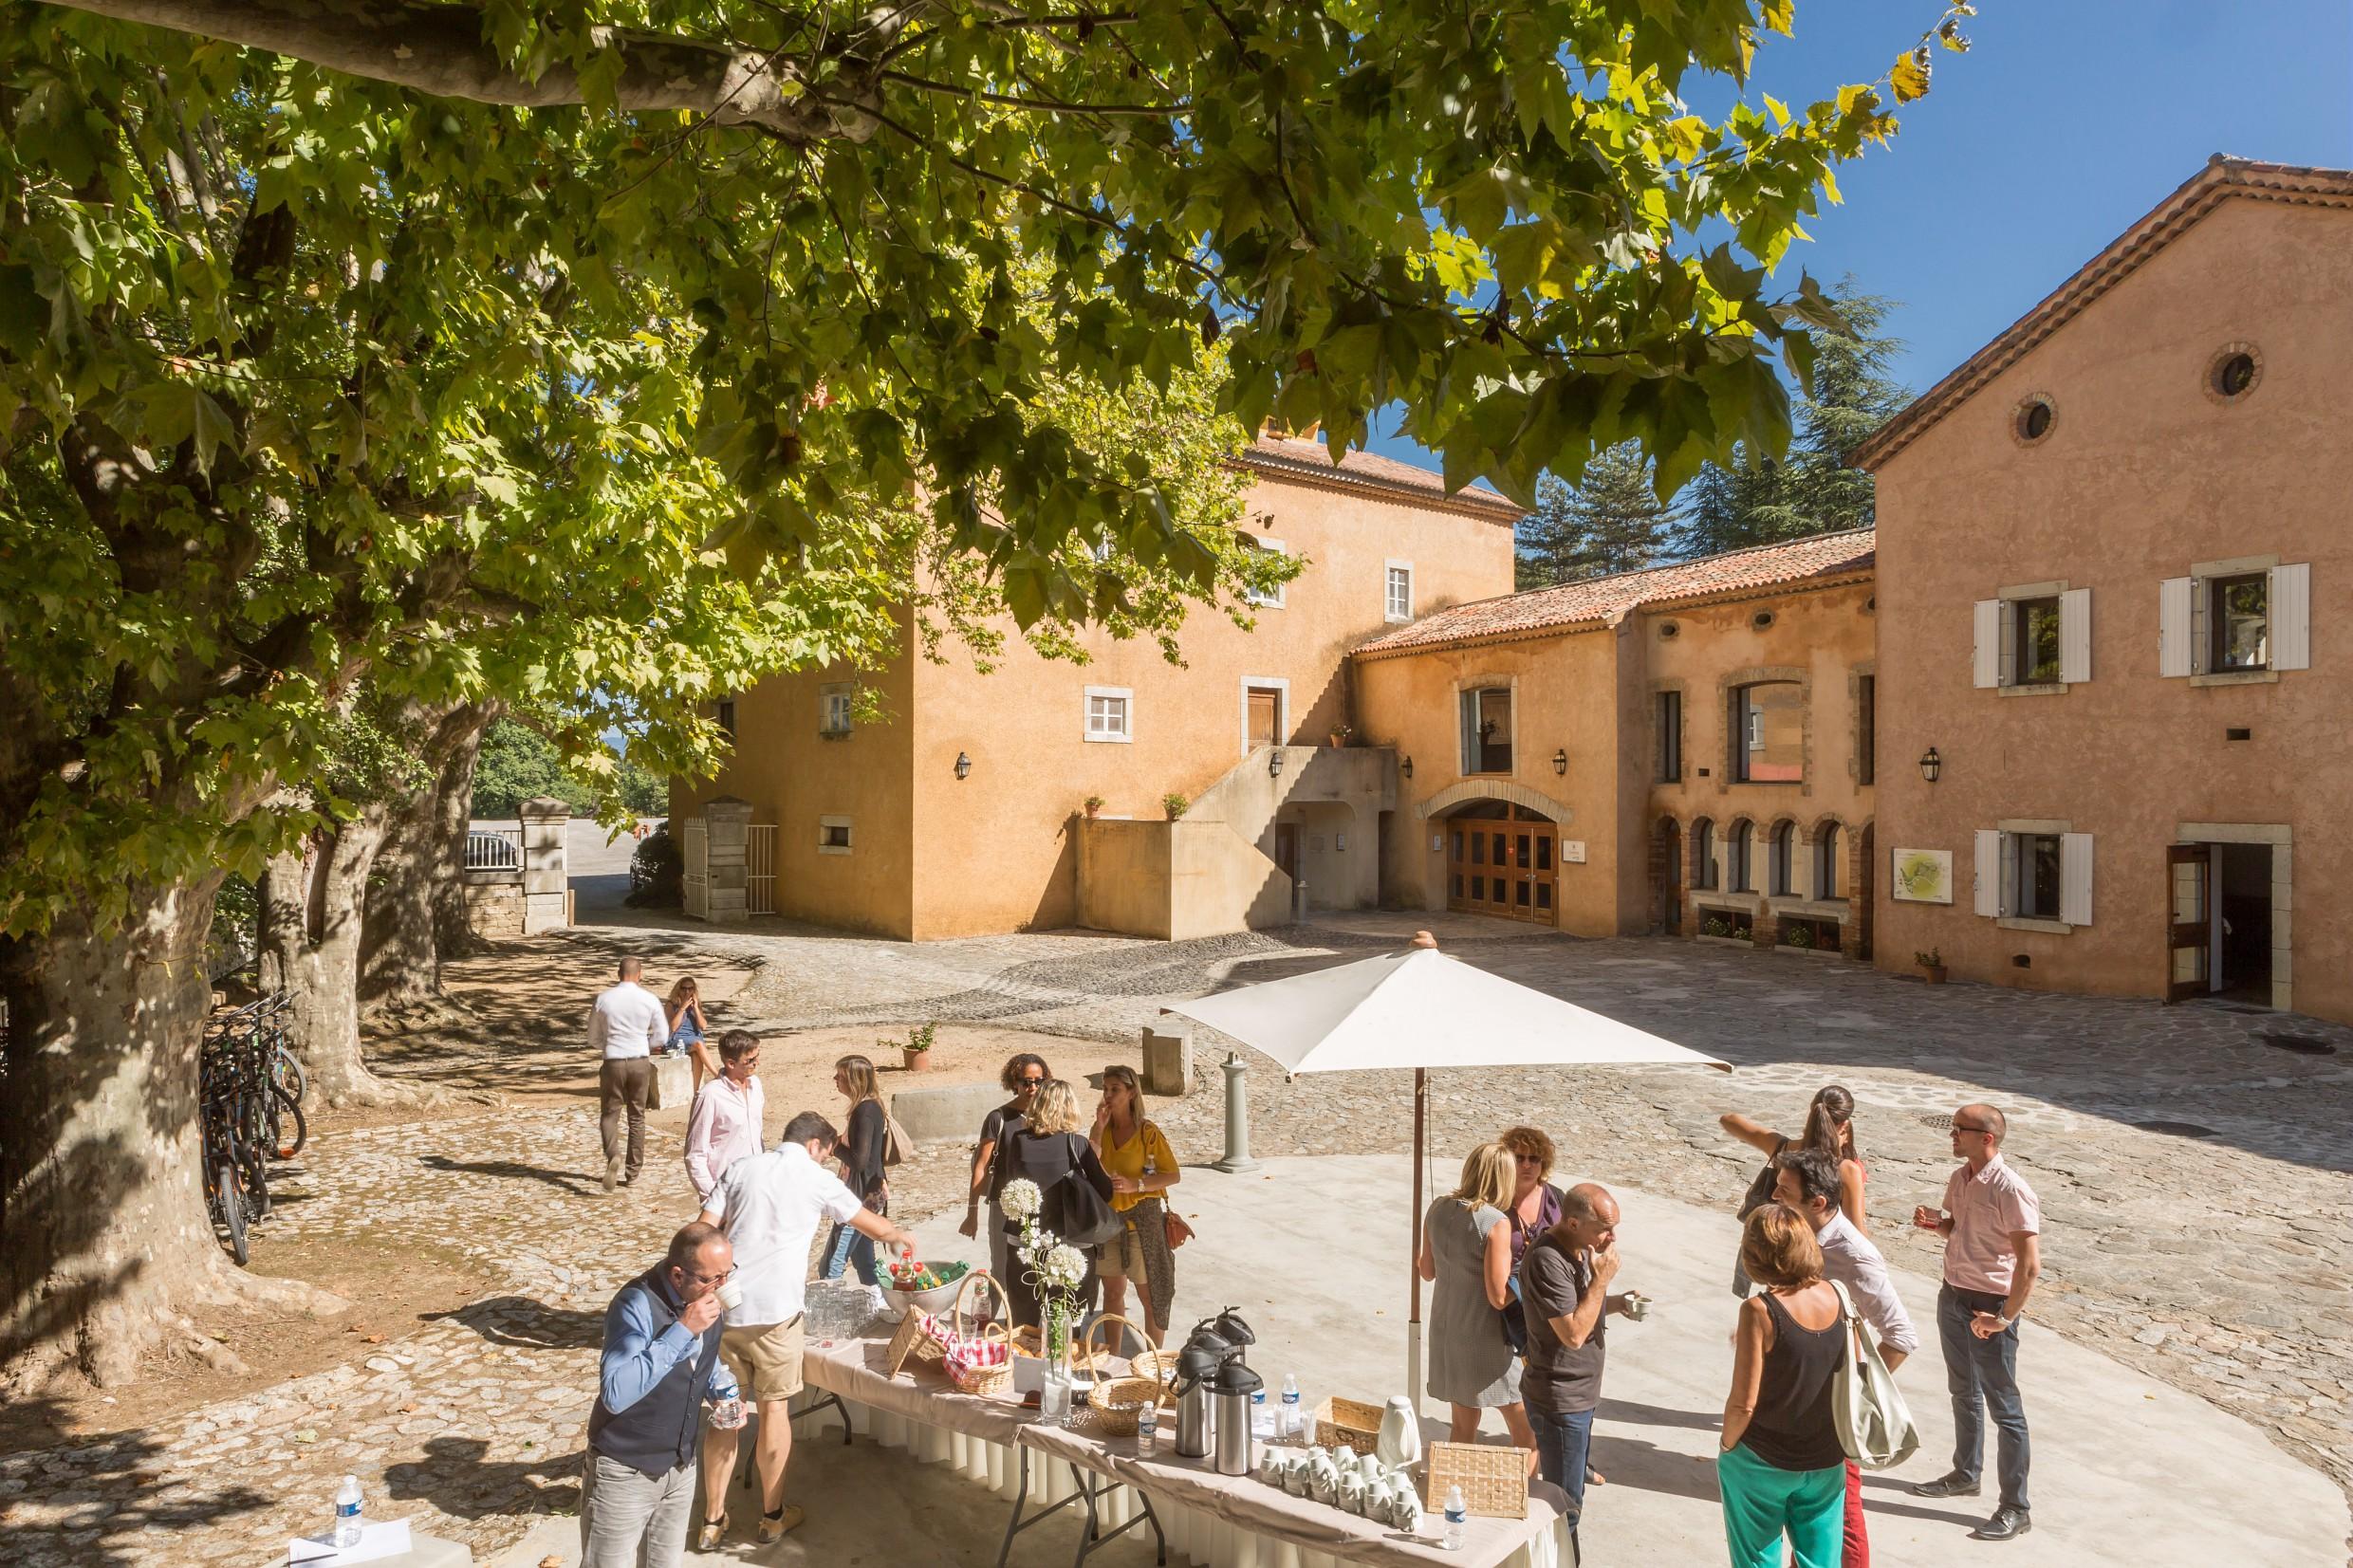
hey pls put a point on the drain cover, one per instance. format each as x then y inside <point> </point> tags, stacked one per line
<point>2303,1044</point>
<point>1937,1124</point>
<point>2178,1129</point>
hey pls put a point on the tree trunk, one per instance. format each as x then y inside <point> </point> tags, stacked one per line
<point>417,904</point>
<point>312,902</point>
<point>102,1198</point>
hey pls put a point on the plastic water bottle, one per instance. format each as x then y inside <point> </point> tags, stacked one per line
<point>1457,1515</point>
<point>1147,1429</point>
<point>1291,1423</point>
<point>347,1512</point>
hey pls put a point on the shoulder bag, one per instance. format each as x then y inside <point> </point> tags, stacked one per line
<point>1760,1192</point>
<point>896,1145</point>
<point>1874,1424</point>
<point>1083,1216</point>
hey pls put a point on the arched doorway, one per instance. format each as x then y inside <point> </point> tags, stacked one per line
<point>1667,877</point>
<point>1503,860</point>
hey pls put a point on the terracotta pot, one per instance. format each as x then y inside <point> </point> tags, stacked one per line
<point>916,1061</point>
<point>1934,973</point>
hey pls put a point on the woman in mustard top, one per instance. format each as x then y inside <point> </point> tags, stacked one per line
<point>1142,1169</point>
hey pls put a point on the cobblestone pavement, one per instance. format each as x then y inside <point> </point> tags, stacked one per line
<point>2219,1263</point>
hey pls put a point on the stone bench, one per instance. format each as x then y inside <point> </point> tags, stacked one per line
<point>951,1114</point>
<point>673,1083</point>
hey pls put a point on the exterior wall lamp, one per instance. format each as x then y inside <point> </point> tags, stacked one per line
<point>1931,764</point>
<point>1275,763</point>
<point>964,764</point>
<point>1406,767</point>
<point>1559,760</point>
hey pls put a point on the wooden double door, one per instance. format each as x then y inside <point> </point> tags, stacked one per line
<point>1506,866</point>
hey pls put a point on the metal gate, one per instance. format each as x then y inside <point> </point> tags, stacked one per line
<point>760,868</point>
<point>696,883</point>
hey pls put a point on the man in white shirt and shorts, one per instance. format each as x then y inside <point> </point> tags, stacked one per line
<point>771,1206</point>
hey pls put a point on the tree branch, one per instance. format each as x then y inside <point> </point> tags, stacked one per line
<point>1046,105</point>
<point>440,49</point>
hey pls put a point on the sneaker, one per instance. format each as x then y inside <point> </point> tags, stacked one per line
<point>2005,1524</point>
<point>612,1172</point>
<point>773,1526</point>
<point>1954,1484</point>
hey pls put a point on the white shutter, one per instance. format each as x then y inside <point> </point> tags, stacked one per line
<point>2291,617</point>
<point>2075,878</point>
<point>1989,871</point>
<point>2075,636</point>
<point>2173,626</point>
<point>1986,660</point>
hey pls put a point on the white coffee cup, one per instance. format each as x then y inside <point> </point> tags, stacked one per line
<point>1638,1306</point>
<point>730,1295</point>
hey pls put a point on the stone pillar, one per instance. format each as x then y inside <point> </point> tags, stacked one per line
<point>1167,1060</point>
<point>724,821</point>
<point>547,877</point>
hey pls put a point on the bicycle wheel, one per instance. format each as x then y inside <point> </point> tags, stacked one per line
<point>286,1071</point>
<point>283,1108</point>
<point>256,1177</point>
<point>231,1215</point>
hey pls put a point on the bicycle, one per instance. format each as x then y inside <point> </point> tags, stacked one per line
<point>249,1086</point>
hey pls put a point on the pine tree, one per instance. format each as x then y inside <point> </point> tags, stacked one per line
<point>1812,490</point>
<point>1610,521</point>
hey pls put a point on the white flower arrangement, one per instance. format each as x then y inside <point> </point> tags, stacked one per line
<point>1065,1265</point>
<point>1021,1200</point>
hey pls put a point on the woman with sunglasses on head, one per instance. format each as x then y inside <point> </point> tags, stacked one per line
<point>1830,1128</point>
<point>1142,1169</point>
<point>1021,1078</point>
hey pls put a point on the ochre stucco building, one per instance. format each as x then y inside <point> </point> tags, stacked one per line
<point>1684,749</point>
<point>878,827</point>
<point>2116,600</point>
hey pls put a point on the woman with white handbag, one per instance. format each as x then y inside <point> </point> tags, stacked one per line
<point>1781,1467</point>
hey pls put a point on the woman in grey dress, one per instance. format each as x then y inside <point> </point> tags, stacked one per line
<point>1466,1251</point>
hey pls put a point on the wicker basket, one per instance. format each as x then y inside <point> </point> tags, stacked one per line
<point>1088,1356</point>
<point>984,1380</point>
<point>1494,1479</point>
<point>1119,1403</point>
<point>1349,1421</point>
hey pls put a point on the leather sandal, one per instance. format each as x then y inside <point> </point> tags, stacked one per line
<point>773,1526</point>
<point>713,1533</point>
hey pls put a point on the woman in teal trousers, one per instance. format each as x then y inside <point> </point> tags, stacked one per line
<point>1781,1469</point>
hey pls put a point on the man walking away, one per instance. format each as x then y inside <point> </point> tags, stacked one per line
<point>1807,1180</point>
<point>1992,1223</point>
<point>1564,1298</point>
<point>661,1360</point>
<point>626,1027</point>
<point>771,1204</point>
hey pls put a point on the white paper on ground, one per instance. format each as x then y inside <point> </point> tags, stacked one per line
<point>388,1540</point>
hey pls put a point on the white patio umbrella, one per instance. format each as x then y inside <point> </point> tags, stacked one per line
<point>1422,1009</point>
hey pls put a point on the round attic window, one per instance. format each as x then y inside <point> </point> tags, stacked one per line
<point>1761,619</point>
<point>2233,373</point>
<point>2031,421</point>
<point>1668,629</point>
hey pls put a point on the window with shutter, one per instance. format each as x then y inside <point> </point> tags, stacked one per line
<point>2075,636</point>
<point>1272,600</point>
<point>2075,878</point>
<point>2173,626</point>
<point>1988,869</point>
<point>2291,617</point>
<point>1985,660</point>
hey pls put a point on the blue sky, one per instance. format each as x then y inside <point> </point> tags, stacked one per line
<point>2066,121</point>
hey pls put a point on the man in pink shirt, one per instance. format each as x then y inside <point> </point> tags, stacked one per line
<point>725,1124</point>
<point>1992,1223</point>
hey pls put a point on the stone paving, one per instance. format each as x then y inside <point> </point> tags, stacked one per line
<point>2219,1264</point>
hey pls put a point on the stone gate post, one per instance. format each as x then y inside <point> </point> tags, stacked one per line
<point>547,873</point>
<point>725,821</point>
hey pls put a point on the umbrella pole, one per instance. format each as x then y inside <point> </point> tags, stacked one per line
<point>1412,1269</point>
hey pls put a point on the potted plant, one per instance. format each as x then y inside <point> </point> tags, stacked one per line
<point>1798,934</point>
<point>1175,806</point>
<point>1931,965</point>
<point>1340,734</point>
<point>1094,806</point>
<point>915,1052</point>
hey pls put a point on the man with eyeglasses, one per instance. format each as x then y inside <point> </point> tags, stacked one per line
<point>1992,1223</point>
<point>660,1361</point>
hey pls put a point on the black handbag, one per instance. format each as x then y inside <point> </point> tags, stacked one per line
<point>1515,1320</point>
<point>1760,1193</point>
<point>1082,1216</point>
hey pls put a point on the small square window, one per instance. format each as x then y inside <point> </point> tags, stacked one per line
<point>1398,602</point>
<point>2037,874</point>
<point>2035,659</point>
<point>724,714</point>
<point>833,835</point>
<point>2239,619</point>
<point>833,709</point>
<point>1107,714</point>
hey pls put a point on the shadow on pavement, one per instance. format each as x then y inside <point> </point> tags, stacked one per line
<point>454,1478</point>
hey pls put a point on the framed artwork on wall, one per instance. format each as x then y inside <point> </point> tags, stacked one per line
<point>1922,875</point>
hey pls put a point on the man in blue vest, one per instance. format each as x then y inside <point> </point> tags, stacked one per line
<point>660,1362</point>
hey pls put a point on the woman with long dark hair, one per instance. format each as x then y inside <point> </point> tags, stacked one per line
<point>1830,1128</point>
<point>862,1166</point>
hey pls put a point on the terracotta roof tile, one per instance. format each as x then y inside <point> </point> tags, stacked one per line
<point>2220,181</point>
<point>1305,458</point>
<point>1606,599</point>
